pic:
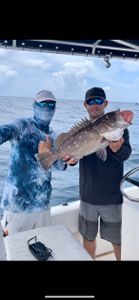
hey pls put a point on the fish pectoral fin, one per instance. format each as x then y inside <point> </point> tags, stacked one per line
<point>60,140</point>
<point>102,154</point>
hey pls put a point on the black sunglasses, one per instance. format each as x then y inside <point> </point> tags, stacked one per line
<point>92,101</point>
<point>50,104</point>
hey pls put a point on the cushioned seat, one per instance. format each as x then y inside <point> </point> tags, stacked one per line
<point>56,237</point>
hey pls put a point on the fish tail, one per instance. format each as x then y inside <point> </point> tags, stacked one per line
<point>47,159</point>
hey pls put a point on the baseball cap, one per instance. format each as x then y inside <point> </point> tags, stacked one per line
<point>95,92</point>
<point>44,95</point>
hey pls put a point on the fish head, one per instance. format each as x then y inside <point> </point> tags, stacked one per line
<point>127,115</point>
<point>115,124</point>
<point>119,118</point>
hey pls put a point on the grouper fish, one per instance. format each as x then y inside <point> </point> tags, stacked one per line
<point>87,137</point>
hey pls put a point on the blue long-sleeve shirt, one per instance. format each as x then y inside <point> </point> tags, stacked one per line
<point>28,186</point>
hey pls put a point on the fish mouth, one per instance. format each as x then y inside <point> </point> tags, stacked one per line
<point>127,115</point>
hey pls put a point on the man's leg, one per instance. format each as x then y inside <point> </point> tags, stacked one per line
<point>42,218</point>
<point>88,226</point>
<point>110,226</point>
<point>17,222</point>
<point>117,251</point>
<point>90,246</point>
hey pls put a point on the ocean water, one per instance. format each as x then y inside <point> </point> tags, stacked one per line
<point>65,184</point>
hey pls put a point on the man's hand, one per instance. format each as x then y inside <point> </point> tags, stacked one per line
<point>45,147</point>
<point>5,231</point>
<point>115,146</point>
<point>69,160</point>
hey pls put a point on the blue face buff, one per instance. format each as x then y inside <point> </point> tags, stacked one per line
<point>44,111</point>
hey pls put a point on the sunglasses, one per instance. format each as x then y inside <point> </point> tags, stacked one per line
<point>96,101</point>
<point>50,104</point>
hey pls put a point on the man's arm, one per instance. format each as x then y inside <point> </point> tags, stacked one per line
<point>7,132</point>
<point>121,149</point>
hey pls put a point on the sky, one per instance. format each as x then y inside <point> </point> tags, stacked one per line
<point>25,73</point>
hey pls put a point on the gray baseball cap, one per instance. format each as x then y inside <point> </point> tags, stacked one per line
<point>44,96</point>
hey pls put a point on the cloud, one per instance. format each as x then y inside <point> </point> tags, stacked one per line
<point>21,58</point>
<point>107,88</point>
<point>71,78</point>
<point>130,66</point>
<point>68,76</point>
<point>7,71</point>
<point>2,52</point>
<point>35,63</point>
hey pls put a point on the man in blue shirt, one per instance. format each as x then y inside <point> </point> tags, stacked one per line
<point>27,192</point>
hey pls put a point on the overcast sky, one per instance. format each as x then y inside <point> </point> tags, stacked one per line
<point>24,73</point>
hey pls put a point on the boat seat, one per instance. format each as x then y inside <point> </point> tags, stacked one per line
<point>57,237</point>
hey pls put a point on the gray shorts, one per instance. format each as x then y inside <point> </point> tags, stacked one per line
<point>110,222</point>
